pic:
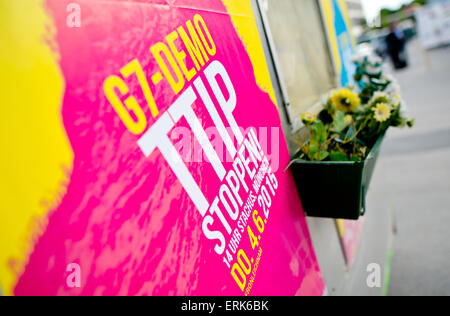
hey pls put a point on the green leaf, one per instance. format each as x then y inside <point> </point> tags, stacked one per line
<point>338,156</point>
<point>339,122</point>
<point>319,134</point>
<point>314,133</point>
<point>313,150</point>
<point>324,136</point>
<point>324,155</point>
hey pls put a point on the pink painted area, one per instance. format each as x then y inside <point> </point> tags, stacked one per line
<point>351,238</point>
<point>125,219</point>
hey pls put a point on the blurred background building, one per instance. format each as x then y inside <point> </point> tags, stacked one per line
<point>357,17</point>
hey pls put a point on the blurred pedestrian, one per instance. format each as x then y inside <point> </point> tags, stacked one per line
<point>396,44</point>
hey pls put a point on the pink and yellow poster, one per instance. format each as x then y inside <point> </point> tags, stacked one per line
<point>143,154</point>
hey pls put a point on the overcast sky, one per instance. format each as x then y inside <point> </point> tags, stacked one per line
<point>372,7</point>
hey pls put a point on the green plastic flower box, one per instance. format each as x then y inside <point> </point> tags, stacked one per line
<point>335,189</point>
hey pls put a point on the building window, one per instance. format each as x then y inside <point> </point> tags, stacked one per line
<point>301,46</point>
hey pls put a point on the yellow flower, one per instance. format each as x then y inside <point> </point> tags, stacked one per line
<point>309,117</point>
<point>345,100</point>
<point>382,112</point>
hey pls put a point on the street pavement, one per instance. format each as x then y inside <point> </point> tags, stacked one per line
<point>413,178</point>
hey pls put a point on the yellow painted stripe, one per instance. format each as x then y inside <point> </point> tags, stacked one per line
<point>244,21</point>
<point>328,12</point>
<point>35,149</point>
